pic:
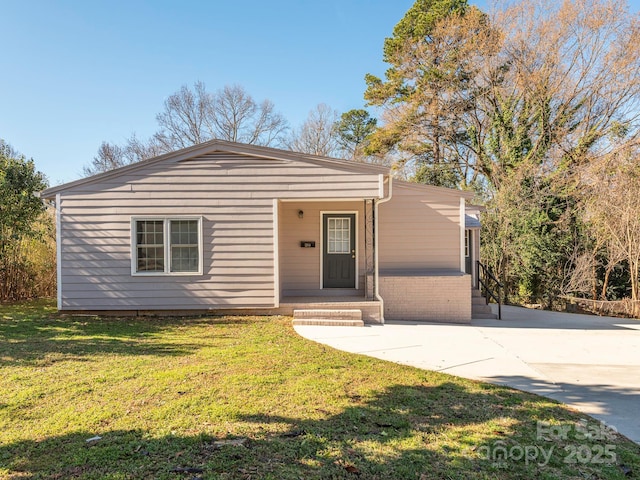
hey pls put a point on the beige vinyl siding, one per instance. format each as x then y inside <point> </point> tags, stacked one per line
<point>419,230</point>
<point>300,267</point>
<point>234,196</point>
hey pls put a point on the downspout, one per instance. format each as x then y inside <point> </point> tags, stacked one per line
<point>463,233</point>
<point>376,272</point>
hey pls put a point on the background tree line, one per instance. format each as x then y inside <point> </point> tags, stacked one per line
<point>27,230</point>
<point>535,108</point>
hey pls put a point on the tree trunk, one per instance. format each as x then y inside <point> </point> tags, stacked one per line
<point>633,272</point>
<point>605,284</point>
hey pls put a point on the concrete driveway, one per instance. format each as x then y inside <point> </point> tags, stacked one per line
<point>590,363</point>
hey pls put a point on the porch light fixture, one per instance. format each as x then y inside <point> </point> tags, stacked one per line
<point>300,214</point>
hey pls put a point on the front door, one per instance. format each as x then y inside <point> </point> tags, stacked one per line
<point>339,250</point>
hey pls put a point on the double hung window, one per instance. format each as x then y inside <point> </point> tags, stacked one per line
<point>166,246</point>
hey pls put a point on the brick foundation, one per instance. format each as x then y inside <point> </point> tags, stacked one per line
<point>440,297</point>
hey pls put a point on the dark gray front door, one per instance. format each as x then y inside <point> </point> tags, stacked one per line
<point>339,250</point>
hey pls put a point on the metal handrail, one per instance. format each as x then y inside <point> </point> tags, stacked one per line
<point>483,271</point>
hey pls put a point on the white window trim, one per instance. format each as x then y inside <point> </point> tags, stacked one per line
<point>167,246</point>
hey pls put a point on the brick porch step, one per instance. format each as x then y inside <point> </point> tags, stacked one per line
<point>330,317</point>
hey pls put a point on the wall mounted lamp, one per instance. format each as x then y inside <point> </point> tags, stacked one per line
<point>300,214</point>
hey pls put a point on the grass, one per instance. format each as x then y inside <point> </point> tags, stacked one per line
<point>246,398</point>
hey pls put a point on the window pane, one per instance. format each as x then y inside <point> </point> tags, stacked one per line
<point>184,245</point>
<point>184,259</point>
<point>150,245</point>
<point>184,232</point>
<point>150,259</point>
<point>338,235</point>
<point>149,231</point>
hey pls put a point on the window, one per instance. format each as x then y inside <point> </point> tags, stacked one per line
<point>467,243</point>
<point>150,246</point>
<point>339,235</point>
<point>169,246</point>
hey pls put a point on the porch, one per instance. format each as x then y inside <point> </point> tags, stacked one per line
<point>428,296</point>
<point>326,262</point>
<point>342,260</point>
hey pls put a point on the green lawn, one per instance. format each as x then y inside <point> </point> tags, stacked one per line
<point>246,398</point>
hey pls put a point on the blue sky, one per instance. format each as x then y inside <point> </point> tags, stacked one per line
<point>75,73</point>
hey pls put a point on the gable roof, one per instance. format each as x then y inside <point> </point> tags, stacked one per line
<point>213,146</point>
<point>223,146</point>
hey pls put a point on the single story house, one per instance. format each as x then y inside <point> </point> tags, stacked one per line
<point>223,227</point>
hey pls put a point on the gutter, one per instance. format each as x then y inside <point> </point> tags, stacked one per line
<point>376,240</point>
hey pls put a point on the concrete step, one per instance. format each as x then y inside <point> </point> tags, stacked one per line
<point>328,322</point>
<point>329,313</point>
<point>479,316</point>
<point>481,308</point>
<point>343,317</point>
<point>370,310</point>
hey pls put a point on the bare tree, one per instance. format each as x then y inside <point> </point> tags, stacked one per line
<point>609,190</point>
<point>109,156</point>
<point>137,149</point>
<point>193,115</point>
<point>112,156</point>
<point>186,118</point>
<point>580,275</point>
<point>317,135</point>
<point>565,76</point>
<point>237,117</point>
